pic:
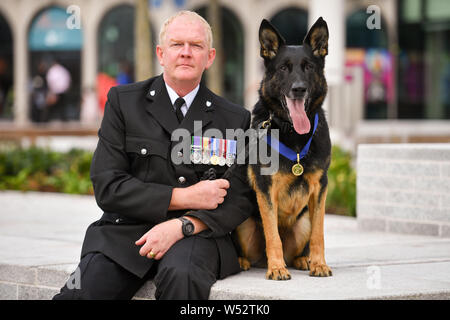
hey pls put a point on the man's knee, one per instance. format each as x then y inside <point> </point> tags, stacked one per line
<point>173,274</point>
<point>99,278</point>
<point>183,281</point>
<point>188,271</point>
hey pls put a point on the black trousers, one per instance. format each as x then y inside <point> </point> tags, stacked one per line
<point>187,271</point>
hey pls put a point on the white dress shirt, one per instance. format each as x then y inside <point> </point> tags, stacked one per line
<point>187,98</point>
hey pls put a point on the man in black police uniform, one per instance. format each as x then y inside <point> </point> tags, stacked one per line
<point>160,221</point>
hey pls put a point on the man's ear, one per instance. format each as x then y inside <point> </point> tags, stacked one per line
<point>317,38</point>
<point>159,55</point>
<point>211,57</point>
<point>270,40</point>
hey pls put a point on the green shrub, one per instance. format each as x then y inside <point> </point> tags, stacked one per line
<point>37,169</point>
<point>341,198</point>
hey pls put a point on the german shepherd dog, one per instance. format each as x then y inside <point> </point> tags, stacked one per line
<point>291,203</point>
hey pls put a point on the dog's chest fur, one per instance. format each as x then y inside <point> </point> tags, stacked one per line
<point>285,192</point>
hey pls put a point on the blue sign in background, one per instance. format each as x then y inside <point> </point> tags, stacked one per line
<point>180,3</point>
<point>49,31</point>
<point>158,3</point>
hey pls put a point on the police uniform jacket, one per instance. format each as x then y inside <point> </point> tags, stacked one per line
<point>133,174</point>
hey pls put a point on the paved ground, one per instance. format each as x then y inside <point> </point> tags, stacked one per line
<point>41,235</point>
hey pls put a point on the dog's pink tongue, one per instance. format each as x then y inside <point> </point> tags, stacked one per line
<point>298,115</point>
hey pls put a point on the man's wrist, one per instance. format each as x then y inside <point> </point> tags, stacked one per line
<point>199,225</point>
<point>180,199</point>
<point>187,227</point>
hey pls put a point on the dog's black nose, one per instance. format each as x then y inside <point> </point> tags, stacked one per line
<point>298,88</point>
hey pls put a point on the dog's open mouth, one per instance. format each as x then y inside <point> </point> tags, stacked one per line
<point>298,115</point>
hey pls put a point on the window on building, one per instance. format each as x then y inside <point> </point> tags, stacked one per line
<point>116,50</point>
<point>6,71</point>
<point>292,23</point>
<point>233,55</point>
<point>424,59</point>
<point>367,49</point>
<point>55,55</point>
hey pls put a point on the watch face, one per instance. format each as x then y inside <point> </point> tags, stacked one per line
<point>189,228</point>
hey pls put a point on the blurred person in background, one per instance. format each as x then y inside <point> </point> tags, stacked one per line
<point>58,81</point>
<point>4,87</point>
<point>39,91</point>
<point>124,75</point>
<point>48,91</point>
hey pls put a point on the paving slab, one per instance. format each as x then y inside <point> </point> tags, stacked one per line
<point>41,236</point>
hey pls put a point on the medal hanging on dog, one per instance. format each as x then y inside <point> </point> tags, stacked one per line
<point>297,169</point>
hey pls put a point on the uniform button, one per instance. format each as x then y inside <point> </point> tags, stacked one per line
<point>179,154</point>
<point>118,220</point>
<point>181,179</point>
<point>143,151</point>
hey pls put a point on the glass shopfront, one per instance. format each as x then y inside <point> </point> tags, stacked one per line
<point>424,59</point>
<point>55,56</point>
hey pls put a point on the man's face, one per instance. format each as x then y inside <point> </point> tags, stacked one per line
<point>184,53</point>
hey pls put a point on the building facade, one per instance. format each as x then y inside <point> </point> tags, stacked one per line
<point>388,67</point>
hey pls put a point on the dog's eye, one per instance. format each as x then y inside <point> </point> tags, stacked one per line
<point>307,66</point>
<point>283,67</point>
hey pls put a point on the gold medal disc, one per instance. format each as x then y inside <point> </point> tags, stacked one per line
<point>214,160</point>
<point>297,169</point>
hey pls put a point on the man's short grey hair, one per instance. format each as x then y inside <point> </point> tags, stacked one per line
<point>192,15</point>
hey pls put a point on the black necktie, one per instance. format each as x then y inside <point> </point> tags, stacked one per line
<point>178,103</point>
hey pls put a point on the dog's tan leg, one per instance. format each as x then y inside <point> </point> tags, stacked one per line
<point>276,268</point>
<point>251,242</point>
<point>294,242</point>
<point>316,204</point>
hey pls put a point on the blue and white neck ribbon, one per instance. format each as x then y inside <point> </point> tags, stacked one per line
<point>287,152</point>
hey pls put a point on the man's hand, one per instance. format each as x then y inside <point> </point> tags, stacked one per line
<point>160,238</point>
<point>206,194</point>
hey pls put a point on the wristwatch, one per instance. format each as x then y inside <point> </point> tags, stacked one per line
<point>187,228</point>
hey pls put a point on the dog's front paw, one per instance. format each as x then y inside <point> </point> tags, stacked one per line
<point>280,273</point>
<point>320,270</point>
<point>244,263</point>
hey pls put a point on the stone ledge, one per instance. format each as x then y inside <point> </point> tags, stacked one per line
<point>348,282</point>
<point>40,247</point>
<point>404,226</point>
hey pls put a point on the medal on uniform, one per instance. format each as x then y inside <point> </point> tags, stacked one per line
<point>191,155</point>
<point>297,169</point>
<point>231,152</point>
<point>205,153</point>
<point>196,150</point>
<point>214,158</point>
<point>222,149</point>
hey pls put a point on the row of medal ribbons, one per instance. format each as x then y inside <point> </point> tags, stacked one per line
<point>213,151</point>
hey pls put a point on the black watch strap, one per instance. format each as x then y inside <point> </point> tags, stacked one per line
<point>187,227</point>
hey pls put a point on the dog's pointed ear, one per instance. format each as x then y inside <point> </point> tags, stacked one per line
<point>317,38</point>
<point>270,40</point>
